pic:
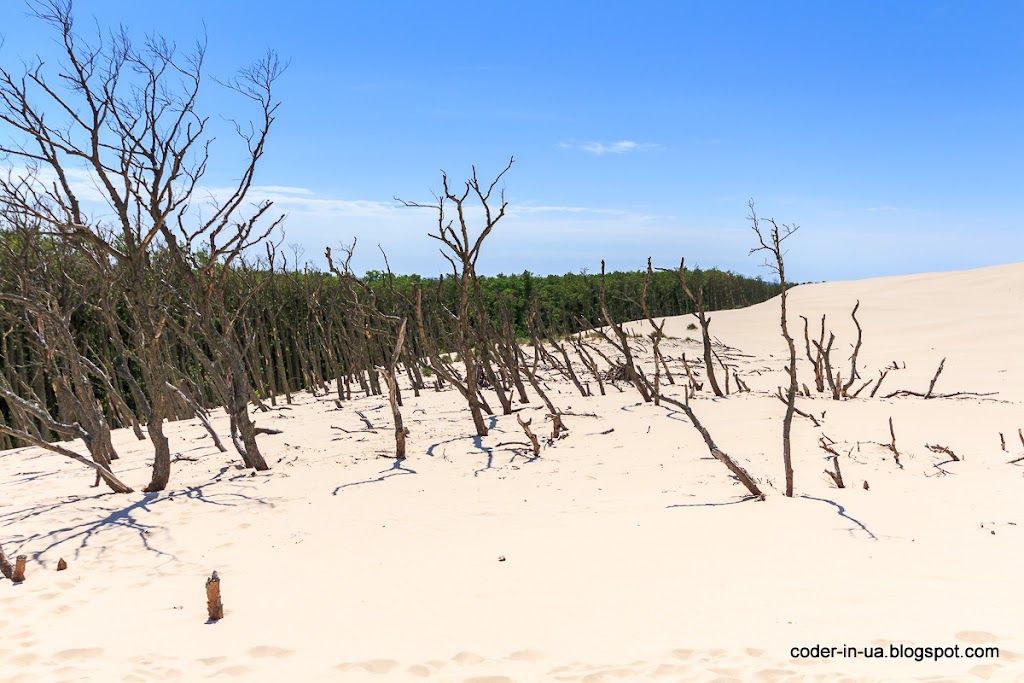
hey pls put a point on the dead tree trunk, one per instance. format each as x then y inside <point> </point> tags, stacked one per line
<point>466,250</point>
<point>772,243</point>
<point>389,375</point>
<point>623,345</point>
<point>705,323</point>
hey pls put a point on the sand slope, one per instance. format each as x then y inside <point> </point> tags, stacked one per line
<point>629,555</point>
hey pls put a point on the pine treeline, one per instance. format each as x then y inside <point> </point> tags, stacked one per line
<point>299,325</point>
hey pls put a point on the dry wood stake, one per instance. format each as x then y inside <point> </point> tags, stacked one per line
<point>213,604</point>
<point>19,569</point>
<point>61,565</point>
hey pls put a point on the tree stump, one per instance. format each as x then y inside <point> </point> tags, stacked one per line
<point>213,604</point>
<point>19,569</point>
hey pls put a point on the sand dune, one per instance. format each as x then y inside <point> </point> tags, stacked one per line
<point>629,555</point>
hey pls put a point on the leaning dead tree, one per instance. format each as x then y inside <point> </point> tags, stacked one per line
<point>462,250</point>
<point>622,345</point>
<point>737,470</point>
<point>705,323</point>
<point>770,240</point>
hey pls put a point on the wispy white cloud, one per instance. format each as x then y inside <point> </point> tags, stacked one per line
<point>600,148</point>
<point>540,209</point>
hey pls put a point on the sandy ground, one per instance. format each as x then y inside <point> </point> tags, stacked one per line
<point>627,555</point>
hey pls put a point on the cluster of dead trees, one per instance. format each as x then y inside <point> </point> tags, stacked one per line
<point>154,268</point>
<point>158,309</point>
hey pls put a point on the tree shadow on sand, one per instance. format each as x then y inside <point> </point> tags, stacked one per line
<point>73,539</point>
<point>395,470</point>
<point>841,511</point>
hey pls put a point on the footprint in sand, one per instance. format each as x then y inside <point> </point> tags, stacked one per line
<point>24,659</point>
<point>373,666</point>
<point>467,658</point>
<point>78,654</point>
<point>526,656</point>
<point>608,675</point>
<point>984,671</point>
<point>774,675</point>
<point>418,670</point>
<point>976,637</point>
<point>489,679</point>
<point>234,671</point>
<point>270,651</point>
<point>211,661</point>
<point>666,670</point>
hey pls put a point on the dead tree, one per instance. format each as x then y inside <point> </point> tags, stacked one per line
<point>389,375</point>
<point>738,471</point>
<point>856,349</point>
<point>462,253</point>
<point>657,334</point>
<point>816,360</point>
<point>705,323</point>
<point>771,242</point>
<point>623,345</point>
<point>131,122</point>
<point>69,378</point>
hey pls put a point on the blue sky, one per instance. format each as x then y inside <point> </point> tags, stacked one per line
<point>892,133</point>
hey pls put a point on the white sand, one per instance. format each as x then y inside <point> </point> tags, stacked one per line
<point>628,556</point>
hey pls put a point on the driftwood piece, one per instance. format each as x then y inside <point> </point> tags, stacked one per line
<point>214,606</point>
<point>881,376</point>
<point>892,446</point>
<point>529,434</point>
<point>796,410</point>
<point>61,565</point>
<point>837,475</point>
<point>826,353</point>
<point>936,448</point>
<point>931,389</point>
<point>268,430</point>
<point>19,569</point>
<point>366,421</point>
